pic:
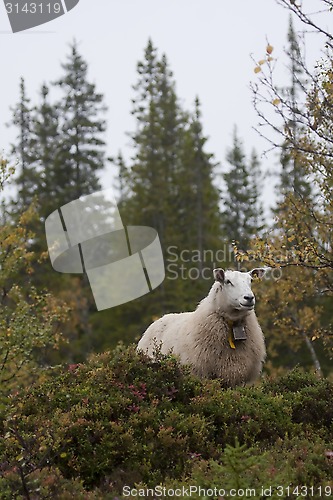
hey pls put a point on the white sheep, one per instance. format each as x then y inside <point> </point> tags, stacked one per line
<point>221,338</point>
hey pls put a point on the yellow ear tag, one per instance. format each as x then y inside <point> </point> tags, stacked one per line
<point>231,341</point>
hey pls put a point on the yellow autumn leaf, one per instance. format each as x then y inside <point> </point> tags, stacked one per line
<point>261,62</point>
<point>269,49</point>
<point>63,455</point>
<point>276,102</point>
<point>257,69</point>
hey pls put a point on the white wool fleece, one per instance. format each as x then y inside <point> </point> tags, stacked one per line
<point>204,338</point>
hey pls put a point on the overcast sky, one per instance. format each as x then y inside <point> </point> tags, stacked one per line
<point>208,43</point>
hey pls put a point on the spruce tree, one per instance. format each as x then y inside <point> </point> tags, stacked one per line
<point>293,179</point>
<point>171,175</point>
<point>121,184</point>
<point>168,186</point>
<point>157,142</point>
<point>46,150</point>
<point>256,219</point>
<point>242,212</point>
<point>22,150</point>
<point>63,143</point>
<point>198,197</point>
<point>81,153</point>
<point>81,156</point>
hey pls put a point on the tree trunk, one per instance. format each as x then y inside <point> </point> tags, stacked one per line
<point>313,355</point>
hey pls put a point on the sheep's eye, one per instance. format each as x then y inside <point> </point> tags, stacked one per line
<point>228,282</point>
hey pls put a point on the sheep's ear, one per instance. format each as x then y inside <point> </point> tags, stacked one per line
<point>218,274</point>
<point>258,272</point>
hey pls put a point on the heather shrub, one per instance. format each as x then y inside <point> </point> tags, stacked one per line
<point>248,415</point>
<point>310,398</point>
<point>123,419</point>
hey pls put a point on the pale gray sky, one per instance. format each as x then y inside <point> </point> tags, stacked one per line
<point>208,44</point>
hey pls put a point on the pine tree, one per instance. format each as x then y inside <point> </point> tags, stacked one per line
<point>256,219</point>
<point>171,175</point>
<point>199,198</point>
<point>157,142</point>
<point>81,156</point>
<point>22,150</point>
<point>62,148</point>
<point>121,184</point>
<point>293,179</point>
<point>242,212</point>
<point>168,186</point>
<point>81,125</point>
<point>46,150</point>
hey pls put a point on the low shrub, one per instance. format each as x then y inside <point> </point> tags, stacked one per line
<point>310,397</point>
<point>123,419</point>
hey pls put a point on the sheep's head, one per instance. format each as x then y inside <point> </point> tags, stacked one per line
<point>234,295</point>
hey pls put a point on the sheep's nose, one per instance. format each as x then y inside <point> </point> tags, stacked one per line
<point>249,298</point>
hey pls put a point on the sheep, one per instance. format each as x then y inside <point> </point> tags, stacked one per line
<point>221,338</point>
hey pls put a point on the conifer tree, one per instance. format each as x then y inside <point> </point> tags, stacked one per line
<point>157,142</point>
<point>156,163</point>
<point>171,176</point>
<point>302,239</point>
<point>242,212</point>
<point>199,198</point>
<point>256,219</point>
<point>81,126</point>
<point>46,151</point>
<point>61,151</point>
<point>169,186</point>
<point>122,179</point>
<point>22,150</point>
<point>293,178</point>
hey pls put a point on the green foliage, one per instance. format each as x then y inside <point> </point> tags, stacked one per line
<point>5,172</point>
<point>168,184</point>
<point>251,472</point>
<point>45,148</point>
<point>294,179</point>
<point>170,178</point>
<point>290,315</point>
<point>59,146</point>
<point>299,247</point>
<point>123,419</point>
<point>28,324</point>
<point>22,151</point>
<point>242,211</point>
<point>81,126</point>
<point>309,396</point>
<point>30,321</point>
<point>239,469</point>
<point>59,149</point>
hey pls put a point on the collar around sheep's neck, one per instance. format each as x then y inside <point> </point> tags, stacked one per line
<point>236,331</point>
